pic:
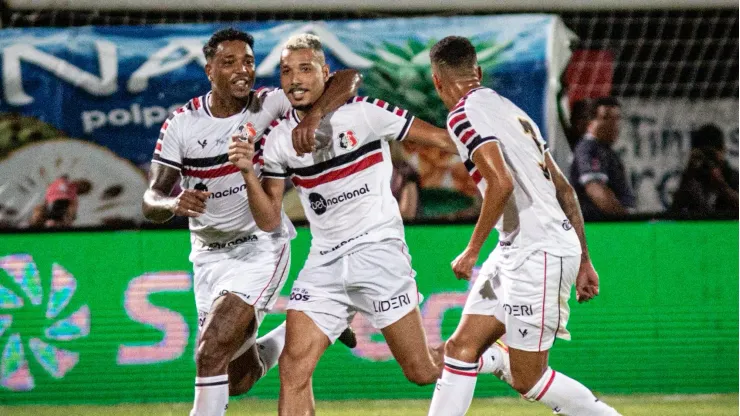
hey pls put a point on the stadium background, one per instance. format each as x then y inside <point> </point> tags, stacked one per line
<point>105,317</point>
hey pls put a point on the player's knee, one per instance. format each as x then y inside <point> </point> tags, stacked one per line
<point>295,367</point>
<point>215,349</point>
<point>421,374</point>
<point>521,385</point>
<point>459,348</point>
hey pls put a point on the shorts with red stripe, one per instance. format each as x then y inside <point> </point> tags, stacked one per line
<point>375,279</point>
<point>531,299</point>
<point>256,276</point>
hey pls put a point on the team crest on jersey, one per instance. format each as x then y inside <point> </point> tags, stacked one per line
<point>248,130</point>
<point>347,140</point>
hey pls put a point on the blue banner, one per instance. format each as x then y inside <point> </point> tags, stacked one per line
<point>115,85</point>
<point>88,102</point>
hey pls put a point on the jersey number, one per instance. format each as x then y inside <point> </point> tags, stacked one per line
<point>529,130</point>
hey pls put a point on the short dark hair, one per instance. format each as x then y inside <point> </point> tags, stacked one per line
<point>225,35</point>
<point>593,111</point>
<point>454,52</point>
<point>708,136</point>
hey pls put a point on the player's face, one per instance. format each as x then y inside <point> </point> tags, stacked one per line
<point>231,70</point>
<point>303,75</point>
<point>606,123</point>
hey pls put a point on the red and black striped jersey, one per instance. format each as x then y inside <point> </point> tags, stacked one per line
<point>344,185</point>
<point>196,143</point>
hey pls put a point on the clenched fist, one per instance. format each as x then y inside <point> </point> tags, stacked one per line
<point>190,203</point>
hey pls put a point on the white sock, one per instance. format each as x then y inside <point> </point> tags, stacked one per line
<point>455,388</point>
<point>495,360</point>
<point>567,396</point>
<point>211,396</point>
<point>270,346</point>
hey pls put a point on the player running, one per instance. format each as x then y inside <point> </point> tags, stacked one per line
<point>524,286</point>
<point>358,261</point>
<point>239,269</point>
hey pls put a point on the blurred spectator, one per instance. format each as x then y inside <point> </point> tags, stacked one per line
<point>597,173</point>
<point>578,123</point>
<point>60,205</point>
<point>405,184</point>
<point>708,185</point>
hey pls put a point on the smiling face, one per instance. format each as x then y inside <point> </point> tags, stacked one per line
<point>303,75</point>
<point>231,69</point>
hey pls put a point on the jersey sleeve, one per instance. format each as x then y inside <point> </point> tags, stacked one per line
<point>168,150</point>
<point>274,101</point>
<point>588,164</point>
<point>468,126</point>
<point>385,120</point>
<point>271,158</point>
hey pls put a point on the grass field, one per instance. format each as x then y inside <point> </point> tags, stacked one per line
<point>709,405</point>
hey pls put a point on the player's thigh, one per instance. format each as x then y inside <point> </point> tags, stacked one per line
<point>255,278</point>
<point>229,322</point>
<point>381,282</point>
<point>535,306</point>
<point>320,294</point>
<point>305,343</point>
<point>473,335</point>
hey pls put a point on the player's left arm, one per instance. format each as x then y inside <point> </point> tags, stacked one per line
<point>341,86</point>
<point>426,134</point>
<point>489,160</point>
<point>587,282</point>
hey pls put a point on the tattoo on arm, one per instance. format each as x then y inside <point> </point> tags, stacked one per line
<point>568,201</point>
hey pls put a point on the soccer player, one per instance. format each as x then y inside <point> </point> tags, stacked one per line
<point>524,286</point>
<point>358,261</point>
<point>239,269</point>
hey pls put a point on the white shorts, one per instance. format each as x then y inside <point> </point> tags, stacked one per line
<point>531,299</point>
<point>376,279</point>
<point>256,277</point>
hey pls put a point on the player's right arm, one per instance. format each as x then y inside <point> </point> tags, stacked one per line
<point>265,195</point>
<point>587,282</point>
<point>158,205</point>
<point>489,159</point>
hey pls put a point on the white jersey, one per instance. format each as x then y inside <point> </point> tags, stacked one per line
<point>532,219</point>
<point>196,143</point>
<point>344,185</point>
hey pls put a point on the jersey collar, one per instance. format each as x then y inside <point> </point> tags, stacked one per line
<point>207,103</point>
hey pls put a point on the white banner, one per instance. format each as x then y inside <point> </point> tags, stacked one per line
<point>655,142</point>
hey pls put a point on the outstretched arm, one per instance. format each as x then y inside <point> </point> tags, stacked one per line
<point>587,282</point>
<point>265,196</point>
<point>426,134</point>
<point>342,86</point>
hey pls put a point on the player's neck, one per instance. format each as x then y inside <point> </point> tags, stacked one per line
<point>462,87</point>
<point>222,107</point>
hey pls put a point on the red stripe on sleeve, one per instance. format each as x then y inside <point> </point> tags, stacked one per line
<point>457,119</point>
